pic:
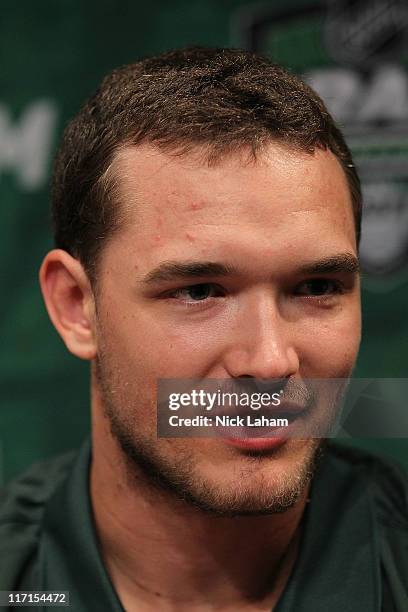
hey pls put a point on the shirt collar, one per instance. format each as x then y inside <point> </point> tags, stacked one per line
<point>337,569</point>
<point>69,553</point>
<point>338,566</point>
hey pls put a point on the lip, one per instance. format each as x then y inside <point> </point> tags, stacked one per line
<point>255,444</point>
<point>262,439</point>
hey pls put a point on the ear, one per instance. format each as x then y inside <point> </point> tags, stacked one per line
<point>70,302</point>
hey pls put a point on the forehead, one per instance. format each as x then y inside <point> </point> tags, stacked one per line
<point>283,198</point>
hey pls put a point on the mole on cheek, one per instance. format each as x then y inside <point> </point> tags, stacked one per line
<point>190,237</point>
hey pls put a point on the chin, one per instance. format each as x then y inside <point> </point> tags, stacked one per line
<point>255,483</point>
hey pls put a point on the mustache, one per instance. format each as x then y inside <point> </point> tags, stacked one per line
<point>291,390</point>
<point>294,392</point>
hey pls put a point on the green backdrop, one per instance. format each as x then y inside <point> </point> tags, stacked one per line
<point>54,54</point>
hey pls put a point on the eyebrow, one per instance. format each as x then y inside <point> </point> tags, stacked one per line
<point>177,270</point>
<point>342,262</point>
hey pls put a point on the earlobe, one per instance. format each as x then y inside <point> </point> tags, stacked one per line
<point>69,300</point>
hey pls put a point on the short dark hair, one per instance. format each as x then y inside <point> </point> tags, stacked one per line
<point>225,99</point>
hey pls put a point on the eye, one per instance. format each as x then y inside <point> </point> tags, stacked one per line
<point>319,287</point>
<point>196,293</point>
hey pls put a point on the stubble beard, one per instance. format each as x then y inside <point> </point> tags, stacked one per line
<point>177,475</point>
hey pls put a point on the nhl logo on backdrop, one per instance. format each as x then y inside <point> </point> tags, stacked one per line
<point>354,53</point>
<point>368,37</point>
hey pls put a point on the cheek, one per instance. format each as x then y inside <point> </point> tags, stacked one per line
<point>121,338</point>
<point>187,354</point>
<point>330,349</point>
<point>145,348</point>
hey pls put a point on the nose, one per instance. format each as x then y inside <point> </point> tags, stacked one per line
<point>262,344</point>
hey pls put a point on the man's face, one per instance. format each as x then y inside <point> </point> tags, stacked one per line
<point>268,223</point>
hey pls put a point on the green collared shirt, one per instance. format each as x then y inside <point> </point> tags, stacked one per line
<point>353,552</point>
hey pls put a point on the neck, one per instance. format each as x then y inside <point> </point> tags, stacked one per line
<point>152,543</point>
